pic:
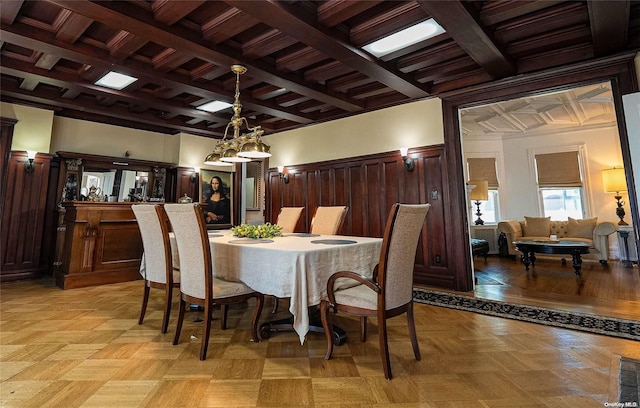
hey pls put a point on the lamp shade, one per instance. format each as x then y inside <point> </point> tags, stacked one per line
<point>481,191</point>
<point>614,180</point>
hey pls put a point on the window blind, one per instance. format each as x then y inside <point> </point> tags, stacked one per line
<point>483,169</point>
<point>558,169</point>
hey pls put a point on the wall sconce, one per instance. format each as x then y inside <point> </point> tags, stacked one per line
<point>407,161</point>
<point>29,166</point>
<point>283,175</point>
<point>194,175</point>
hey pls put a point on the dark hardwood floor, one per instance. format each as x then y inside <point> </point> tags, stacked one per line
<point>612,290</point>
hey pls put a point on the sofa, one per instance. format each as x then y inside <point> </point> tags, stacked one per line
<point>590,231</point>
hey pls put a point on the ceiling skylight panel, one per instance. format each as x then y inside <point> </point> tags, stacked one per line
<point>404,38</point>
<point>115,80</point>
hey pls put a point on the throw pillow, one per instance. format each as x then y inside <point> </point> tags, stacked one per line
<point>537,226</point>
<point>581,228</point>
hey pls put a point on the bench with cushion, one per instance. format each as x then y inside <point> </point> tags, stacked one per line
<point>590,231</point>
<point>479,247</point>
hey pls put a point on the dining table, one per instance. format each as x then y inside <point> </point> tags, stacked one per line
<point>295,265</point>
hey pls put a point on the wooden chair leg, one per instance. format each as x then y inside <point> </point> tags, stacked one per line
<point>412,332</point>
<point>257,312</point>
<point>145,300</point>
<point>167,308</point>
<point>223,316</point>
<point>206,331</point>
<point>384,346</point>
<point>183,304</point>
<point>363,328</point>
<point>327,326</point>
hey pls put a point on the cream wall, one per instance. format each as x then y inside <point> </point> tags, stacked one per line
<point>602,148</point>
<point>193,150</point>
<point>518,194</point>
<point>409,125</point>
<point>73,135</point>
<point>33,129</point>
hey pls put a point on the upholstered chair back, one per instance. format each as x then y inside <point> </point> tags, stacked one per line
<point>398,253</point>
<point>191,238</point>
<point>288,218</point>
<point>157,254</point>
<point>328,220</point>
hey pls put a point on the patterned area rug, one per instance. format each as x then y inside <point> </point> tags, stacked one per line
<point>628,329</point>
<point>629,379</point>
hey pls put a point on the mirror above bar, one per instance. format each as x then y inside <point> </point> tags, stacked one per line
<point>86,177</point>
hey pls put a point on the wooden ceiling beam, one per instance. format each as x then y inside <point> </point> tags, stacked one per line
<point>275,14</point>
<point>332,13</point>
<point>170,12</point>
<point>89,105</point>
<point>120,15</point>
<point>498,11</point>
<point>31,39</point>
<point>73,27</point>
<point>69,27</point>
<point>227,24</point>
<point>609,22</point>
<point>9,11</point>
<point>62,80</point>
<point>124,44</point>
<point>470,35</point>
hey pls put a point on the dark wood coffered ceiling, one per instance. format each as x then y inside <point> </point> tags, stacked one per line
<point>304,58</point>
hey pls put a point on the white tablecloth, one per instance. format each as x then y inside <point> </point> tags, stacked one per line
<point>292,266</point>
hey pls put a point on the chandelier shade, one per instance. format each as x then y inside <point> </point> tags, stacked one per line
<point>213,159</point>
<point>238,148</point>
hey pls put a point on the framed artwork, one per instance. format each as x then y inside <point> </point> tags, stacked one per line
<point>216,197</point>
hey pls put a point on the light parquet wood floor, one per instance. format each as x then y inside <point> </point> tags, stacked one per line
<point>84,348</point>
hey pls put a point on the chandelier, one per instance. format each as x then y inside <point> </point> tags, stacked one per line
<point>242,147</point>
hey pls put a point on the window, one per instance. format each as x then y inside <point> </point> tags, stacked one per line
<point>485,169</point>
<point>560,185</point>
<point>489,208</point>
<point>561,203</point>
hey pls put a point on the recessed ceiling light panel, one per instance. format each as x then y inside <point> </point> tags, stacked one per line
<point>409,36</point>
<point>214,106</point>
<point>115,80</point>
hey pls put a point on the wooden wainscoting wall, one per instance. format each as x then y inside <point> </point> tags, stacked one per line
<point>23,217</point>
<point>184,185</point>
<point>369,186</point>
<point>6,137</point>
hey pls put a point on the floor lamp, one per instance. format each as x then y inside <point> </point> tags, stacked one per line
<point>614,182</point>
<point>479,193</point>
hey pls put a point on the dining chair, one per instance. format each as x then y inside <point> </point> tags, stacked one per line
<point>328,220</point>
<point>389,292</point>
<point>157,267</point>
<point>288,218</point>
<point>198,285</point>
